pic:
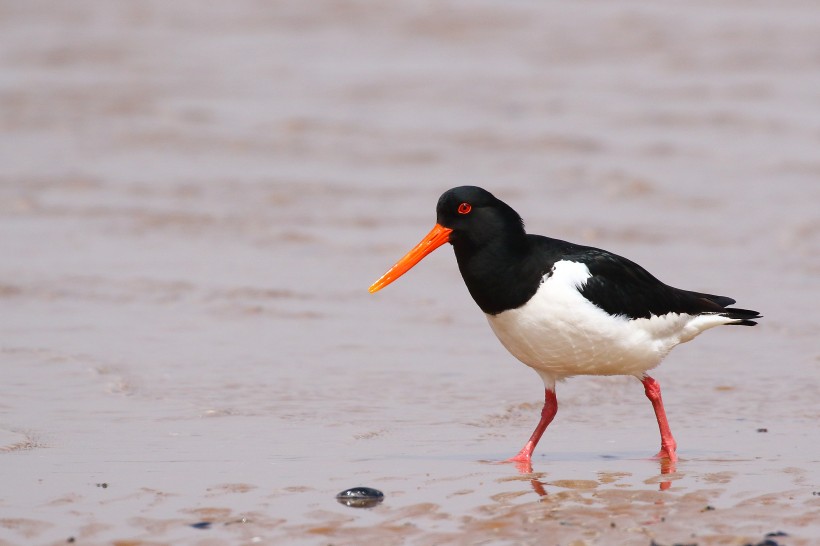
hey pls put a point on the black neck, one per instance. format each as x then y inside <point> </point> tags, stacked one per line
<point>500,274</point>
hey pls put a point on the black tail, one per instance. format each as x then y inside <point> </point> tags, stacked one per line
<point>743,316</point>
<point>719,305</point>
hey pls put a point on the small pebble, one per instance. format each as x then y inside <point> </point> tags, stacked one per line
<point>763,430</point>
<point>769,541</point>
<point>201,525</point>
<point>360,497</point>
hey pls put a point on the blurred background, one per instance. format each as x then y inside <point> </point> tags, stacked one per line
<point>195,196</point>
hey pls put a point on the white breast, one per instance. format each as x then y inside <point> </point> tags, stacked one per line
<point>560,333</point>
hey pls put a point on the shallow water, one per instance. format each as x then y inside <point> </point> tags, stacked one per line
<point>194,200</point>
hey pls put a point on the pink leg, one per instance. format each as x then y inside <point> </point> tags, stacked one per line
<point>547,414</point>
<point>668,444</point>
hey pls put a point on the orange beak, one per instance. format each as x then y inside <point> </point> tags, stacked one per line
<point>437,237</point>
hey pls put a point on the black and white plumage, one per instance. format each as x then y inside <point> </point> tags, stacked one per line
<point>566,309</point>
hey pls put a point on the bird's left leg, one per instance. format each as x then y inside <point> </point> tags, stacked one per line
<point>668,444</point>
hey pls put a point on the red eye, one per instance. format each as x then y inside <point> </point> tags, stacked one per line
<point>465,208</point>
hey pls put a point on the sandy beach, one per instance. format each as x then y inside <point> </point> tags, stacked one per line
<point>194,198</point>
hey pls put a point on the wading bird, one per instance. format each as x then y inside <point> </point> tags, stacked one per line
<point>565,309</point>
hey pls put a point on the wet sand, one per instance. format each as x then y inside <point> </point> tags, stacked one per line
<point>195,197</point>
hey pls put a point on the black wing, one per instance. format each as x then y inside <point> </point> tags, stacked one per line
<point>622,287</point>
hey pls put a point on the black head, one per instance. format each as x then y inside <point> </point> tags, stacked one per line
<point>478,225</point>
<point>477,217</point>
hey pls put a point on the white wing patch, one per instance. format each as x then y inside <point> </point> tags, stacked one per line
<point>569,274</point>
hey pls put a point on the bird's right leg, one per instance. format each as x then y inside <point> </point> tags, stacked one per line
<point>668,444</point>
<point>547,415</point>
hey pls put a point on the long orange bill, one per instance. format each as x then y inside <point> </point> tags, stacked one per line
<point>437,237</point>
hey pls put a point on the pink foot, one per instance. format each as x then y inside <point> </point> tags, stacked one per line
<point>667,454</point>
<point>523,457</point>
<point>524,466</point>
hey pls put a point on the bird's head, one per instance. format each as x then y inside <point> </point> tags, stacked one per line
<point>468,217</point>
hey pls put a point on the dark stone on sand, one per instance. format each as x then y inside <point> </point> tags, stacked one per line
<point>360,497</point>
<point>201,525</point>
<point>768,540</point>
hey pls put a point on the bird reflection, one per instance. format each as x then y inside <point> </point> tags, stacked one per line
<point>667,466</point>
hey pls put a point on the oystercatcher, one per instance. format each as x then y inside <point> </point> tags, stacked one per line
<point>565,309</point>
